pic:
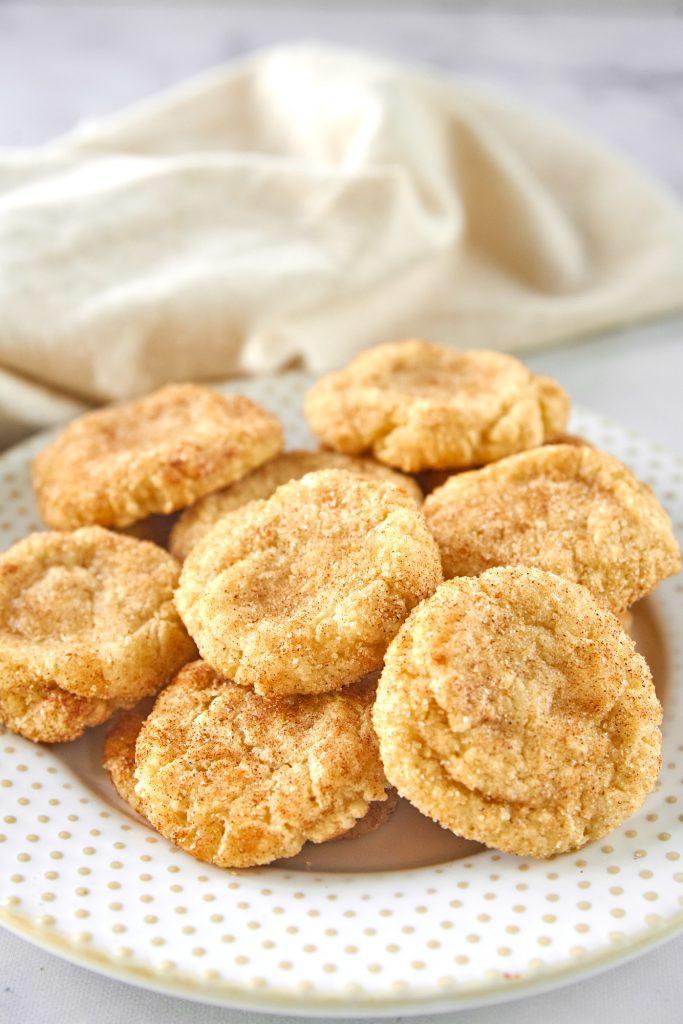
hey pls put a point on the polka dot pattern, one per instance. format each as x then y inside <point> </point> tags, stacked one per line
<point>82,874</point>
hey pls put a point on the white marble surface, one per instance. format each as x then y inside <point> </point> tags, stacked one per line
<point>617,77</point>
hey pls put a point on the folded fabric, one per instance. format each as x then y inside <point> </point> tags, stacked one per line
<point>297,207</point>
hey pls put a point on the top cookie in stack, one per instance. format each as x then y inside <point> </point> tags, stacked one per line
<point>117,465</point>
<point>418,406</point>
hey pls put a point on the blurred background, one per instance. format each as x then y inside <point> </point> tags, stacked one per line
<point>612,70</point>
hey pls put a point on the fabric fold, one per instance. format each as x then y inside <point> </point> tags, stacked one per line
<point>299,206</point>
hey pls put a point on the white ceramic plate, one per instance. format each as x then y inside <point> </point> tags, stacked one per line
<point>407,920</point>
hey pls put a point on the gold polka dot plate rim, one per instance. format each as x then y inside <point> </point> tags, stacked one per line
<point>406,920</point>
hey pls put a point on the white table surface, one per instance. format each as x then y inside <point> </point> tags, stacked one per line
<point>617,77</point>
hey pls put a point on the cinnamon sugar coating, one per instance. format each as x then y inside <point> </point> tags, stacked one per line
<point>119,762</point>
<point>238,780</point>
<point>196,521</point>
<point>569,509</point>
<point>45,713</point>
<point>91,613</point>
<point>303,592</point>
<point>160,453</point>
<point>514,711</point>
<point>417,406</point>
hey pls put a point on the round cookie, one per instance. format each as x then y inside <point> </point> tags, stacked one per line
<point>302,593</point>
<point>196,521</point>
<point>417,406</point>
<point>569,509</point>
<point>514,711</point>
<point>155,455</point>
<point>90,612</point>
<point>119,762</point>
<point>45,713</point>
<point>238,780</point>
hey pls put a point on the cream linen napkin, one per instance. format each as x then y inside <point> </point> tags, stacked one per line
<point>297,207</point>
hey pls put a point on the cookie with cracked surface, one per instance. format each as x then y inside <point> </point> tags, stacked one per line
<point>416,406</point>
<point>196,521</point>
<point>303,592</point>
<point>515,711</point>
<point>119,761</point>
<point>91,613</point>
<point>239,780</point>
<point>160,453</point>
<point>45,713</point>
<point>570,509</point>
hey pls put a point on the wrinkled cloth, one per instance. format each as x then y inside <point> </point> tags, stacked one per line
<point>298,206</point>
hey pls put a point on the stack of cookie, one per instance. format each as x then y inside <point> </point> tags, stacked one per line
<point>511,706</point>
<point>88,622</point>
<point>267,740</point>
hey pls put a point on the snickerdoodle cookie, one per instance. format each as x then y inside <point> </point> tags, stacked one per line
<point>570,509</point>
<point>119,762</point>
<point>91,613</point>
<point>416,405</point>
<point>45,713</point>
<point>196,521</point>
<point>514,711</point>
<point>160,453</point>
<point>302,593</point>
<point>239,780</point>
